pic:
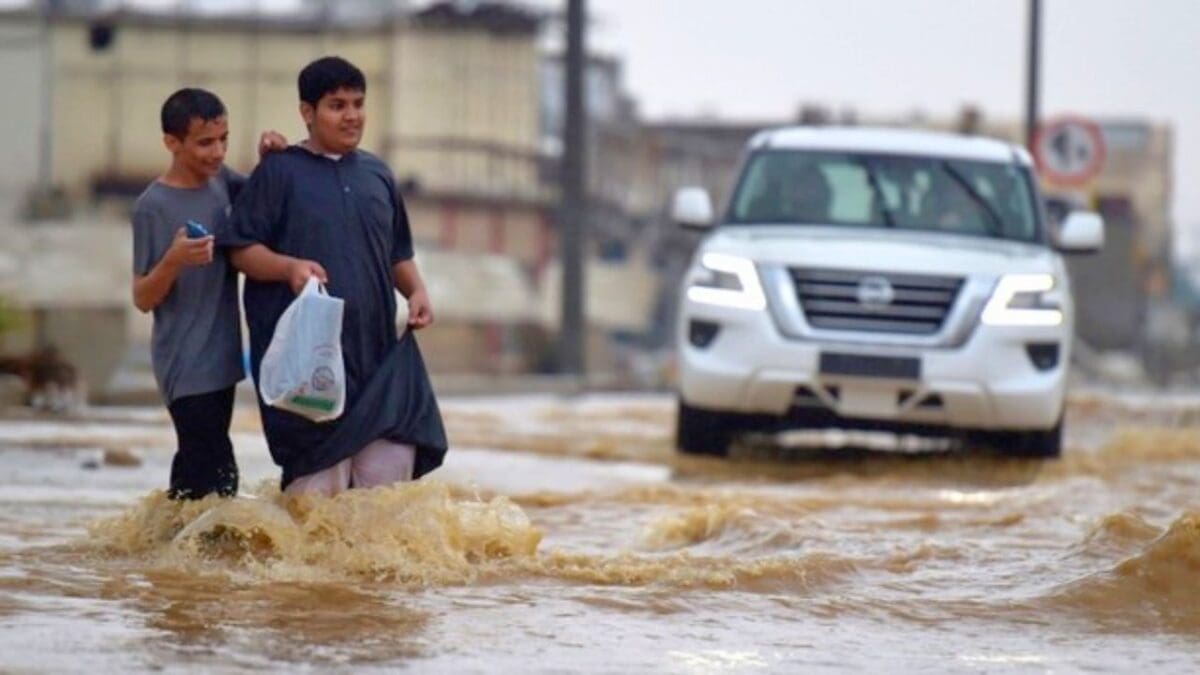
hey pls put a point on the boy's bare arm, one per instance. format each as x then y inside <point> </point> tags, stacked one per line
<point>262,264</point>
<point>409,283</point>
<point>151,289</point>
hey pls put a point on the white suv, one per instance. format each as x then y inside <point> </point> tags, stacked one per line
<point>878,279</point>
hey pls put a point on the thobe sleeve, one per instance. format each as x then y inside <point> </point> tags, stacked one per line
<point>258,211</point>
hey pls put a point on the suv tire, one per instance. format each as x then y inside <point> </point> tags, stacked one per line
<point>706,432</point>
<point>1034,444</point>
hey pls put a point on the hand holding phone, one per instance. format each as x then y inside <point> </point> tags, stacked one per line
<point>192,246</point>
<point>196,230</point>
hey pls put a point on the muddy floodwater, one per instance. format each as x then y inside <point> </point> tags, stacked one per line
<point>564,535</point>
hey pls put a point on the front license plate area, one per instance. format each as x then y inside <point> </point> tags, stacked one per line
<point>863,365</point>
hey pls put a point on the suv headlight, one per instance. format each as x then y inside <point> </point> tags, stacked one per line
<point>1025,300</point>
<point>728,281</point>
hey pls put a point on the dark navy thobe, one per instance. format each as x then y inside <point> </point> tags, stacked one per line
<point>347,215</point>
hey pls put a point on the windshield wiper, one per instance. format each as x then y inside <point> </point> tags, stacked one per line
<point>997,224</point>
<point>878,190</point>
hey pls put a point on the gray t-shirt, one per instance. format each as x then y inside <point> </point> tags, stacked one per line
<point>197,343</point>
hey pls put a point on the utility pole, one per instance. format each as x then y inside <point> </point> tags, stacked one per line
<point>572,216</point>
<point>1033,63</point>
<point>46,98</point>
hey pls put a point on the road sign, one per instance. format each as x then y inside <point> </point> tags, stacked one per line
<point>1069,150</point>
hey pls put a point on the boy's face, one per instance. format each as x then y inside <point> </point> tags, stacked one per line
<point>202,151</point>
<point>337,121</point>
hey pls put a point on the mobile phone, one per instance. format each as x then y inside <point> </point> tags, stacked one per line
<point>196,230</point>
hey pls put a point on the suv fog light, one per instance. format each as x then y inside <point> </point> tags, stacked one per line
<point>1044,355</point>
<point>702,333</point>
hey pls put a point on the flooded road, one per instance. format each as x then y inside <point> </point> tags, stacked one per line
<point>564,535</point>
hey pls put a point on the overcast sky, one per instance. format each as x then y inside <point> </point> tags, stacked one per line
<point>759,59</point>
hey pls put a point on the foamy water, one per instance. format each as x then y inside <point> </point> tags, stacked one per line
<point>567,536</point>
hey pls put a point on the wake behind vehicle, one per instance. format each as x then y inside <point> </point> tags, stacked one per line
<point>878,279</point>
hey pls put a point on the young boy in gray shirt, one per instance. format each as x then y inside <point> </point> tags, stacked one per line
<point>190,286</point>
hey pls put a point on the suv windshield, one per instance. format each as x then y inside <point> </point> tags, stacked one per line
<point>987,199</point>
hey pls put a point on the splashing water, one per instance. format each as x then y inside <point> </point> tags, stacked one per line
<point>415,533</point>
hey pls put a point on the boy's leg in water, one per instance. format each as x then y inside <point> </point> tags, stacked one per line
<point>382,462</point>
<point>326,482</point>
<point>204,461</point>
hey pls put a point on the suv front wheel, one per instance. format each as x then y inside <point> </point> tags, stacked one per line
<point>707,432</point>
<point>1042,443</point>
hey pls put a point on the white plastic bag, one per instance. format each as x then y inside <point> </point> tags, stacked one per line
<point>302,371</point>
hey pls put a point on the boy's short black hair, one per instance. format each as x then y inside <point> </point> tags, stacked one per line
<point>187,104</point>
<point>327,75</point>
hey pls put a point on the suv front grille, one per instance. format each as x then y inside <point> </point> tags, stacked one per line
<point>876,302</point>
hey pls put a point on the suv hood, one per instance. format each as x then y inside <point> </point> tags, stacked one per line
<point>878,249</point>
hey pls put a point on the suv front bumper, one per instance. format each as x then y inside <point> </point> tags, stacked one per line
<point>989,382</point>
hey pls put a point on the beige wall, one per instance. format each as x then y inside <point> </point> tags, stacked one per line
<point>455,109</point>
<point>21,121</point>
<point>456,347</point>
<point>465,113</point>
<point>107,103</point>
<point>518,231</point>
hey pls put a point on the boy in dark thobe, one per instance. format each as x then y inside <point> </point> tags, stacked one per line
<point>324,208</point>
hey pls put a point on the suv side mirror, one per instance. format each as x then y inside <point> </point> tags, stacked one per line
<point>1081,232</point>
<point>692,208</point>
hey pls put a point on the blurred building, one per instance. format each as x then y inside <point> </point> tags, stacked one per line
<point>22,59</point>
<point>455,105</point>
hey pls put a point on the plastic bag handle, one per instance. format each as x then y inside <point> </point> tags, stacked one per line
<point>313,287</point>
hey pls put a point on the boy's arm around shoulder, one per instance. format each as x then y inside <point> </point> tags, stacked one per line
<point>269,141</point>
<point>152,282</point>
